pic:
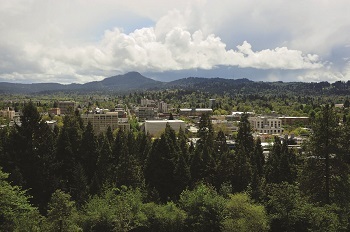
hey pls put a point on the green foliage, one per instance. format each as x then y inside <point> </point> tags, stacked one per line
<point>16,213</point>
<point>165,218</point>
<point>161,164</point>
<point>242,215</point>
<point>62,214</point>
<point>290,211</point>
<point>115,210</point>
<point>326,161</point>
<point>281,163</point>
<point>204,208</point>
<point>244,150</point>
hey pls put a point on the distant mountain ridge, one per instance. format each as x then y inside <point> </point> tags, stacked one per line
<point>127,82</point>
<point>134,81</point>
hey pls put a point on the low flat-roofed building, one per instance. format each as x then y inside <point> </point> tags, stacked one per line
<point>195,111</point>
<point>156,127</point>
<point>294,120</point>
<point>236,115</point>
<point>51,124</point>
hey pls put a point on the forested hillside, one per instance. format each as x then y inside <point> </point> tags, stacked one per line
<point>69,179</point>
<point>135,82</point>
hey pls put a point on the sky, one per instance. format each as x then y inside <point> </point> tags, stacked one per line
<point>78,41</point>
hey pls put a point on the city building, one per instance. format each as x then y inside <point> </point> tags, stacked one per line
<point>146,102</point>
<point>145,113</point>
<point>101,122</point>
<point>194,112</point>
<point>162,107</point>
<point>65,106</point>
<point>266,125</point>
<point>123,124</point>
<point>54,111</point>
<point>52,124</point>
<point>294,120</point>
<point>7,113</point>
<point>212,103</point>
<point>236,115</point>
<point>156,127</point>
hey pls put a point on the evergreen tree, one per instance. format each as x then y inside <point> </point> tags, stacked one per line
<point>79,187</point>
<point>67,152</point>
<point>62,214</point>
<point>16,213</point>
<point>281,163</point>
<point>204,165</point>
<point>103,174</point>
<point>88,152</point>
<point>224,161</point>
<point>109,135</point>
<point>258,158</point>
<point>143,143</point>
<point>243,155</point>
<point>258,162</point>
<point>320,170</point>
<point>129,172</point>
<point>160,167</point>
<point>182,173</point>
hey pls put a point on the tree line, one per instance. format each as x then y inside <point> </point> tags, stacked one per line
<point>69,179</point>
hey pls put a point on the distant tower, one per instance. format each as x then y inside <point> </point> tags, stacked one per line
<point>212,103</point>
<point>162,107</point>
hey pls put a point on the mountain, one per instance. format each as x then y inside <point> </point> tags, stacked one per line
<point>127,82</point>
<point>134,81</point>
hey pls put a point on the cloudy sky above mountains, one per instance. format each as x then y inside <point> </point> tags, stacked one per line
<point>78,41</point>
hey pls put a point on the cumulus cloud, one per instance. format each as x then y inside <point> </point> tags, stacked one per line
<point>57,43</point>
<point>142,50</point>
<point>326,74</point>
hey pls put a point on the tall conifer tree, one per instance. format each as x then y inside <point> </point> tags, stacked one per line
<point>243,154</point>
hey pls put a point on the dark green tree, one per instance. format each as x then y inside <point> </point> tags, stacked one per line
<point>88,152</point>
<point>103,174</point>
<point>67,152</point>
<point>281,163</point>
<point>289,210</point>
<point>161,162</point>
<point>321,170</point>
<point>129,171</point>
<point>62,214</point>
<point>16,213</point>
<point>258,164</point>
<point>204,208</point>
<point>223,160</point>
<point>203,165</point>
<point>244,151</point>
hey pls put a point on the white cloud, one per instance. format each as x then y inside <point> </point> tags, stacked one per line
<point>326,74</point>
<point>143,51</point>
<point>46,41</point>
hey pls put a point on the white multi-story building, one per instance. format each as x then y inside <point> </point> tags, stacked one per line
<point>146,102</point>
<point>266,125</point>
<point>212,103</point>
<point>101,122</point>
<point>7,113</point>
<point>156,127</point>
<point>162,107</point>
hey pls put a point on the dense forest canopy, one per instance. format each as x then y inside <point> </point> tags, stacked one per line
<point>70,179</point>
